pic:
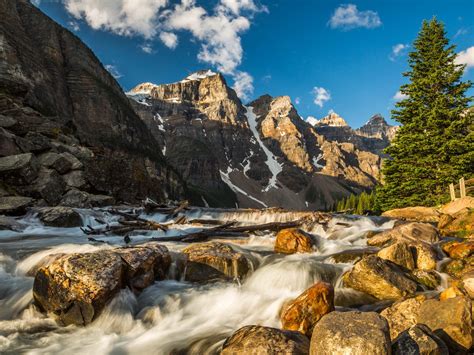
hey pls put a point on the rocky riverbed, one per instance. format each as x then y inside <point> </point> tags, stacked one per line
<point>334,284</point>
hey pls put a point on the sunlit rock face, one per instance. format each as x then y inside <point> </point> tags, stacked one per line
<point>259,155</point>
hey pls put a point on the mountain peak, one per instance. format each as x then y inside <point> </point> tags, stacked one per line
<point>199,75</point>
<point>332,120</point>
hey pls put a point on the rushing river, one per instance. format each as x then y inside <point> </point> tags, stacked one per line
<point>171,316</point>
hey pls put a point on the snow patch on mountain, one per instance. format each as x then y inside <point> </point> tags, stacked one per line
<point>316,161</point>
<point>199,75</point>
<point>272,162</point>
<point>226,179</point>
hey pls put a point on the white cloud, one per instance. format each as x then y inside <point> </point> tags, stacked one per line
<point>218,31</point>
<point>147,48</point>
<point>398,50</point>
<point>123,17</point>
<point>321,96</point>
<point>243,85</point>
<point>466,57</point>
<point>461,32</point>
<point>169,39</point>
<point>112,69</point>
<point>348,17</point>
<point>399,96</point>
<point>297,100</point>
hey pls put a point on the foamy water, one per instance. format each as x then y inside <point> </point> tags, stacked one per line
<point>170,315</point>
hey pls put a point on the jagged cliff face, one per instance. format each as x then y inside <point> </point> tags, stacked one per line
<point>55,89</point>
<point>256,156</point>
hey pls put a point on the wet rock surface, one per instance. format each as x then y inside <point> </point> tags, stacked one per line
<point>75,288</point>
<point>294,240</point>
<point>265,340</point>
<point>65,217</point>
<point>307,309</point>
<point>213,261</point>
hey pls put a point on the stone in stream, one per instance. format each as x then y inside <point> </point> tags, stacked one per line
<point>419,340</point>
<point>403,314</point>
<point>380,278</point>
<point>306,310</point>
<point>355,333</point>
<point>255,339</point>
<point>417,213</point>
<point>418,236</point>
<point>294,240</point>
<point>214,261</point>
<point>65,217</point>
<point>459,250</point>
<point>429,278</point>
<point>398,253</point>
<point>75,288</point>
<point>450,319</point>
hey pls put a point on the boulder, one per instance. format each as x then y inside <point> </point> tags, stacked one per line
<point>75,179</point>
<point>306,310</point>
<point>33,142</point>
<point>468,283</point>
<point>58,162</point>
<point>380,278</point>
<point>402,314</point>
<point>7,144</point>
<point>353,255</point>
<point>255,339</point>
<point>75,163</point>
<point>459,250</point>
<point>459,267</point>
<point>82,199</point>
<point>418,236</point>
<point>64,217</point>
<point>75,288</point>
<point>18,169</point>
<point>398,253</point>
<point>355,333</point>
<point>419,340</point>
<point>213,261</point>
<point>14,205</point>
<point>10,223</point>
<point>428,278</point>
<point>414,232</point>
<point>457,205</point>
<point>294,240</point>
<point>417,213</point>
<point>7,121</point>
<point>49,185</point>
<point>459,225</point>
<point>450,319</point>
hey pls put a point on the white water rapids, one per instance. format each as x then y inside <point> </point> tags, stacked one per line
<point>171,316</point>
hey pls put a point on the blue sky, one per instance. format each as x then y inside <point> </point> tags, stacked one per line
<point>326,55</point>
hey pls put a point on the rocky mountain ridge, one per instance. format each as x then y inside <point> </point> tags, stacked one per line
<point>53,148</point>
<point>264,153</point>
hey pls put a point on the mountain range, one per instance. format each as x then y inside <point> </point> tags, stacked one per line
<point>261,154</point>
<point>69,135</point>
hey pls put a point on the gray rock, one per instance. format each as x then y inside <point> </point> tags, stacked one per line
<point>33,142</point>
<point>50,186</point>
<point>14,204</point>
<point>56,161</point>
<point>419,340</point>
<point>18,169</point>
<point>355,333</point>
<point>7,144</point>
<point>65,217</point>
<point>75,163</point>
<point>9,223</point>
<point>6,121</point>
<point>75,179</point>
<point>255,339</point>
<point>82,199</point>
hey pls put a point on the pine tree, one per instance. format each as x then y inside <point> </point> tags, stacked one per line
<point>435,144</point>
